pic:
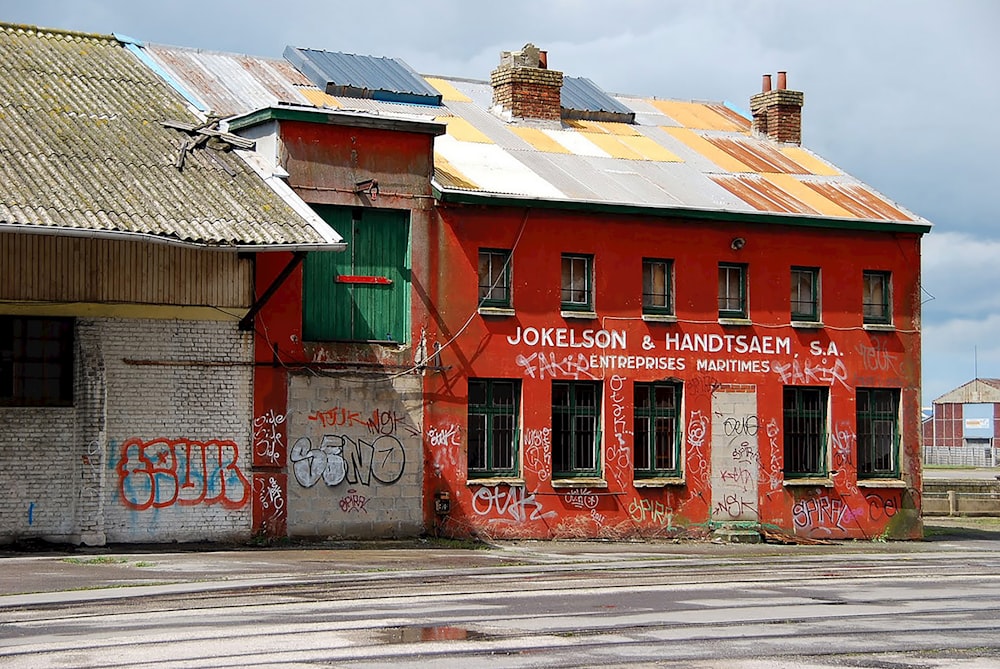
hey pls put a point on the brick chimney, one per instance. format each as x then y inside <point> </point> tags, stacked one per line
<point>524,87</point>
<point>777,113</point>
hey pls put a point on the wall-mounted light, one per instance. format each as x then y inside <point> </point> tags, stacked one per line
<point>368,187</point>
<point>737,243</point>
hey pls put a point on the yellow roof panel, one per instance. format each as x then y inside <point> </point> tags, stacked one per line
<point>449,176</point>
<point>606,127</point>
<point>807,195</point>
<point>809,161</point>
<point>318,98</point>
<point>649,149</point>
<point>613,146</point>
<point>448,92</point>
<point>464,131</point>
<point>539,140</point>
<point>695,115</point>
<point>695,141</point>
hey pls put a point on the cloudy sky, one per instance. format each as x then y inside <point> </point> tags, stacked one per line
<point>902,94</point>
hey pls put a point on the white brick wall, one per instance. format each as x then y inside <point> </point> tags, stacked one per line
<point>187,383</point>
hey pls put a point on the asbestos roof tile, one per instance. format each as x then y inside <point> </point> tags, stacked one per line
<point>84,148</point>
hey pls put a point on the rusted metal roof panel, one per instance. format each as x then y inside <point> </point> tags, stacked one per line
<point>230,84</point>
<point>860,201</point>
<point>756,154</point>
<point>85,151</point>
<point>762,195</point>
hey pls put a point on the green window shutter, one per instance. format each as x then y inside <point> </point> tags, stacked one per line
<point>363,293</point>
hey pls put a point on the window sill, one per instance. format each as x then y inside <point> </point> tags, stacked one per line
<point>496,311</point>
<point>881,483</point>
<point>659,318</point>
<point>582,315</point>
<point>659,482</point>
<point>807,325</point>
<point>880,327</point>
<point>492,482</point>
<point>805,482</point>
<point>582,482</point>
<point>735,321</point>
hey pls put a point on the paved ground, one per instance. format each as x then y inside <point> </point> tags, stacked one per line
<point>44,575</point>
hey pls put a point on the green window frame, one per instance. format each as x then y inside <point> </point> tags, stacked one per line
<point>576,434</point>
<point>878,432</point>
<point>732,290</point>
<point>657,286</point>
<point>805,431</point>
<point>363,292</point>
<point>804,299</point>
<point>577,293</point>
<point>656,429</point>
<point>36,361</point>
<point>494,278</point>
<point>494,410</point>
<point>877,297</point>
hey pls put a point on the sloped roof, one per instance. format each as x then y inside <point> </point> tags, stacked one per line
<point>977,391</point>
<point>678,156</point>
<point>85,152</point>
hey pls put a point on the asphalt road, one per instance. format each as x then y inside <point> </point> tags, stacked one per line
<point>526,604</point>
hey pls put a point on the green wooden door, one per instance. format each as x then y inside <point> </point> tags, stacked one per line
<point>363,293</point>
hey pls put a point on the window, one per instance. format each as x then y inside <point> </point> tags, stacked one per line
<point>576,416</point>
<point>657,286</point>
<point>875,300</point>
<point>577,283</point>
<point>732,291</point>
<point>36,361</point>
<point>494,278</point>
<point>493,416</point>
<point>656,429</point>
<point>805,431</point>
<point>363,292</point>
<point>878,432</point>
<point>805,294</point>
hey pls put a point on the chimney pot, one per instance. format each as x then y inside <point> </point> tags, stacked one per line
<point>766,84</point>
<point>543,60</point>
<point>777,114</point>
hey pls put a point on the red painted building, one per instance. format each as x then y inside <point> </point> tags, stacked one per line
<point>614,316</point>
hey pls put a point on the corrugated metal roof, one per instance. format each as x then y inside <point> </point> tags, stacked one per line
<point>676,153</point>
<point>352,75</point>
<point>583,95</point>
<point>85,152</point>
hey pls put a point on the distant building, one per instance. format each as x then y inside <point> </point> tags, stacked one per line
<point>963,426</point>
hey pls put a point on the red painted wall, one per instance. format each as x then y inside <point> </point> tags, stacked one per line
<point>841,355</point>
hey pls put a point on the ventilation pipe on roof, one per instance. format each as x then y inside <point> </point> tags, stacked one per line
<point>777,114</point>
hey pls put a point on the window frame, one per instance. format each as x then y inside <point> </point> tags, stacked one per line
<point>45,352</point>
<point>666,295</point>
<point>865,429</point>
<point>495,281</point>
<point>587,304</point>
<point>490,411</point>
<point>817,453</point>
<point>814,304</point>
<point>569,437</point>
<point>868,303</point>
<point>725,299</point>
<point>646,439</point>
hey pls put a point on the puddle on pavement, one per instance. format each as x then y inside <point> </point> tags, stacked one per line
<point>429,633</point>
